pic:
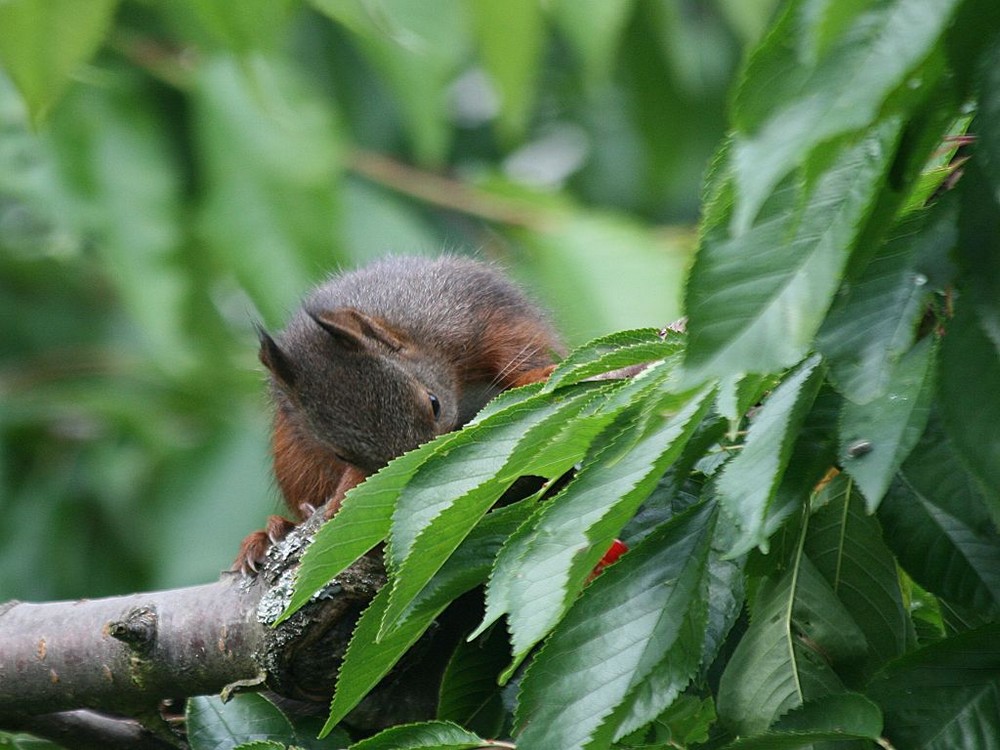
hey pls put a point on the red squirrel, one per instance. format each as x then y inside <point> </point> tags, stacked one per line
<point>381,359</point>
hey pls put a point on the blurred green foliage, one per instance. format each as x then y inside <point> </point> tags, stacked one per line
<point>171,172</point>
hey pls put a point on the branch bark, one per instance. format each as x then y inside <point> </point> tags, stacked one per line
<point>91,668</point>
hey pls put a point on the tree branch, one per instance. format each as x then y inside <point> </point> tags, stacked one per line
<point>119,657</point>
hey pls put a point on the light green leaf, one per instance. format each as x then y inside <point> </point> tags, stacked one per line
<point>781,662</point>
<point>362,522</point>
<point>812,96</point>
<point>539,572</point>
<point>878,436</point>
<point>944,696</point>
<point>368,660</point>
<point>511,36</point>
<point>571,259</point>
<point>612,352</point>
<point>631,625</point>
<point>127,185</point>
<point>241,27</point>
<point>761,316</point>
<point>936,521</point>
<point>214,725</point>
<point>452,490</point>
<point>431,735</point>
<point>750,481</point>
<point>271,162</point>
<point>42,44</point>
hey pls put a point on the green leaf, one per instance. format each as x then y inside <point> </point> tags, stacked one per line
<point>570,258</point>
<point>511,35</point>
<point>270,176</point>
<point>469,694</point>
<point>243,27</point>
<point>128,188</point>
<point>946,695</point>
<point>593,29</point>
<point>878,436</point>
<point>969,369</point>
<point>874,318</point>
<point>541,569</point>
<point>451,491</point>
<point>936,521</point>
<point>612,352</point>
<point>846,547</point>
<point>431,735</point>
<point>214,725</point>
<point>781,662</point>
<point>634,636</point>
<point>43,44</point>
<point>761,316</point>
<point>836,719</point>
<point>419,46</point>
<point>368,660</point>
<point>362,522</point>
<point>793,99</point>
<point>750,481</point>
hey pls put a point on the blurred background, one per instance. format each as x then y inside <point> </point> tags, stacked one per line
<point>171,172</point>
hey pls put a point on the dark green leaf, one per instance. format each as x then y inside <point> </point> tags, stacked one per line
<point>782,661</point>
<point>645,616</point>
<point>470,695</point>
<point>970,357</point>
<point>846,547</point>
<point>837,719</point>
<point>369,658</point>
<point>874,317</point>
<point>750,481</point>
<point>214,725</point>
<point>431,735</point>
<point>795,98</point>
<point>946,695</point>
<point>761,316</point>
<point>936,521</point>
<point>878,436</point>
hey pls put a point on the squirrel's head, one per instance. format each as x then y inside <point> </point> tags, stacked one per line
<point>359,387</point>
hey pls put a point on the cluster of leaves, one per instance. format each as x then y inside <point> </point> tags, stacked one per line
<point>170,171</point>
<point>819,451</point>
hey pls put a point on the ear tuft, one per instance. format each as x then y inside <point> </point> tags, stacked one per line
<point>274,358</point>
<point>355,330</point>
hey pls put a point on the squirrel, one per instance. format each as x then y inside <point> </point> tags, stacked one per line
<point>381,359</point>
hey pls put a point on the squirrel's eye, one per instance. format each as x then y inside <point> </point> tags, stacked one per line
<point>435,404</point>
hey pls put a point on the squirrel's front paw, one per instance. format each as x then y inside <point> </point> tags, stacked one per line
<point>254,548</point>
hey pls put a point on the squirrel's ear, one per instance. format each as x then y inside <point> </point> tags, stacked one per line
<point>355,329</point>
<point>274,359</point>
